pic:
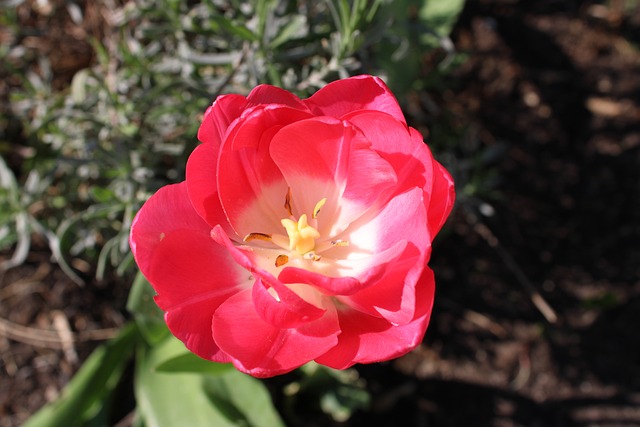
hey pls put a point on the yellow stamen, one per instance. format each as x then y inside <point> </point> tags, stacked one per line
<point>316,209</point>
<point>301,237</point>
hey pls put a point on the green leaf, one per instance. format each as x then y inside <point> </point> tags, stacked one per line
<point>148,316</point>
<point>170,400</point>
<point>337,393</point>
<point>295,28</point>
<point>91,386</point>
<point>243,399</point>
<point>440,16</point>
<point>235,29</point>
<point>189,362</point>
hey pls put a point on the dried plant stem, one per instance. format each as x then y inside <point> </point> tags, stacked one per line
<point>52,339</point>
<point>538,301</point>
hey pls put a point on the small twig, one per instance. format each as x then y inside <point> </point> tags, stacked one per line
<point>61,325</point>
<point>491,239</point>
<point>478,319</point>
<point>524,369</point>
<point>50,339</point>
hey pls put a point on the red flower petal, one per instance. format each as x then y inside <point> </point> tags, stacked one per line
<point>343,277</point>
<point>262,350</point>
<point>166,211</point>
<point>288,309</point>
<point>392,296</point>
<point>367,339</point>
<point>399,145</point>
<point>285,309</point>
<point>326,158</point>
<point>267,94</point>
<point>403,218</point>
<point>219,116</point>
<point>443,197</point>
<point>412,161</point>
<point>174,251</point>
<point>191,324</point>
<point>356,93</point>
<point>252,189</point>
<point>201,185</point>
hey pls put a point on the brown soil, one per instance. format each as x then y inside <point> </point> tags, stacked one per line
<point>548,105</point>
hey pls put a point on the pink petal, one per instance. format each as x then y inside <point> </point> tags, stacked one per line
<point>202,186</point>
<point>251,187</point>
<point>189,266</point>
<point>263,350</point>
<point>356,93</point>
<point>193,275</point>
<point>442,198</point>
<point>174,251</point>
<point>288,309</point>
<point>326,158</point>
<point>392,296</point>
<point>399,145</point>
<point>403,219</point>
<point>187,323</point>
<point>218,117</point>
<point>328,285</point>
<point>344,277</point>
<point>267,94</point>
<point>367,339</point>
<point>412,161</point>
<point>168,210</point>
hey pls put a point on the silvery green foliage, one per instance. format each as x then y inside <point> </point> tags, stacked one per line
<point>125,125</point>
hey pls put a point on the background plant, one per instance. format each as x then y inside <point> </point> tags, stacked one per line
<point>80,156</point>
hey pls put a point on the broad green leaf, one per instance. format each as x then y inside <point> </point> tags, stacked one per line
<point>242,398</point>
<point>170,400</point>
<point>148,316</point>
<point>91,386</point>
<point>189,362</point>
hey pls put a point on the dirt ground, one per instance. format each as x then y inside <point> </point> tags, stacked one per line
<point>538,275</point>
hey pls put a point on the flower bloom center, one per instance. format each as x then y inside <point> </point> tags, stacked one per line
<point>301,237</point>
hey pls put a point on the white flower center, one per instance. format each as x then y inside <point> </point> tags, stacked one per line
<point>301,237</point>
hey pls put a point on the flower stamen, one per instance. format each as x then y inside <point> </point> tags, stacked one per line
<point>300,239</point>
<point>316,209</point>
<point>312,256</point>
<point>302,236</point>
<point>287,201</point>
<point>257,236</point>
<point>281,260</point>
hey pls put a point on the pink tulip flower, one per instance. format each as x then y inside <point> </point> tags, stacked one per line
<point>302,231</point>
